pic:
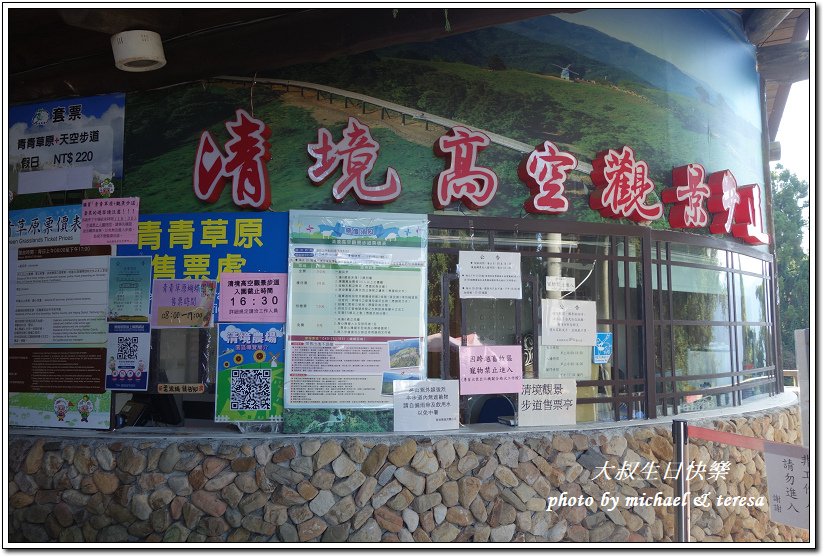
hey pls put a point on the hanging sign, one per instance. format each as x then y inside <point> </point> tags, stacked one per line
<point>545,171</point>
<point>465,181</point>
<point>127,363</point>
<point>182,303</point>
<point>356,153</point>
<point>110,221</point>
<point>244,163</point>
<point>70,144</point>
<point>130,284</point>
<point>560,284</point>
<point>490,274</point>
<point>181,388</point>
<point>206,245</point>
<point>55,233</point>
<point>60,295</point>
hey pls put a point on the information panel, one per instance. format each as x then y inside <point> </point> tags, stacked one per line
<point>490,274</point>
<point>426,405</point>
<point>56,380</point>
<point>565,362</point>
<point>568,322</point>
<point>356,315</point>
<point>61,295</point>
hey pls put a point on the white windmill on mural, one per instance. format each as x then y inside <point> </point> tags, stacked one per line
<point>565,71</point>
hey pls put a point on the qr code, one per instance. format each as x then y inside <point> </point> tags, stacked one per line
<point>251,389</point>
<point>126,348</point>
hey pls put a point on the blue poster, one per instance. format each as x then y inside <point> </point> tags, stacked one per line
<point>67,144</point>
<point>45,226</point>
<point>602,350</point>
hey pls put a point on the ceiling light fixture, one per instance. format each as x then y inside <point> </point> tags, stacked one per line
<point>138,51</point>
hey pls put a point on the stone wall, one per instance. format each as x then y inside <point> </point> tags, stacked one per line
<point>443,488</point>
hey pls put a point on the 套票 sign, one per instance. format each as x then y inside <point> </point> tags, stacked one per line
<point>69,144</point>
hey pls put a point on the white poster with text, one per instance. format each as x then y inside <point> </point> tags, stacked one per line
<point>426,405</point>
<point>568,322</point>
<point>490,274</point>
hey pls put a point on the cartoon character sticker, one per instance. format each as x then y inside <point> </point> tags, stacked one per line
<point>106,187</point>
<point>85,406</point>
<point>61,408</point>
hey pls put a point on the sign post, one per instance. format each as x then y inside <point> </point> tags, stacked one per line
<point>680,439</point>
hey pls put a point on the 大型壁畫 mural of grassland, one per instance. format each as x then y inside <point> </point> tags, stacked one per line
<point>507,80</point>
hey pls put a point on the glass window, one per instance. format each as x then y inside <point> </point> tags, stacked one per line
<point>663,351</point>
<point>754,347</point>
<point>701,350</point>
<point>757,391</point>
<point>551,242</point>
<point>699,294</point>
<point>629,296</point>
<point>700,356</point>
<point>748,264</point>
<point>751,298</point>
<point>697,254</point>
<point>628,246</point>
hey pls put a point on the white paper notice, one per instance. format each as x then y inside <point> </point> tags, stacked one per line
<point>547,402</point>
<point>565,362</point>
<point>560,284</point>
<point>788,483</point>
<point>426,405</point>
<point>490,274</point>
<point>568,322</point>
<point>61,295</point>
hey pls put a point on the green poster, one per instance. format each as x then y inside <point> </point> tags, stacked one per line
<point>249,372</point>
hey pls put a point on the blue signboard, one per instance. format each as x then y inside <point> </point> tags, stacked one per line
<point>204,245</point>
<point>45,226</point>
<point>602,350</point>
<point>67,144</point>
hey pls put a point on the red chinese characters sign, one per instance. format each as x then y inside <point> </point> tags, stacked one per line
<point>545,172</point>
<point>622,185</point>
<point>247,153</point>
<point>356,153</point>
<point>474,185</point>
<point>688,193</point>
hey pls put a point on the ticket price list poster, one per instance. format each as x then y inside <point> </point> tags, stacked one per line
<point>356,316</point>
<point>57,310</point>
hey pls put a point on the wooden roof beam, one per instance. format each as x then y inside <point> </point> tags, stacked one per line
<point>785,63</point>
<point>761,23</point>
<point>802,27</point>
